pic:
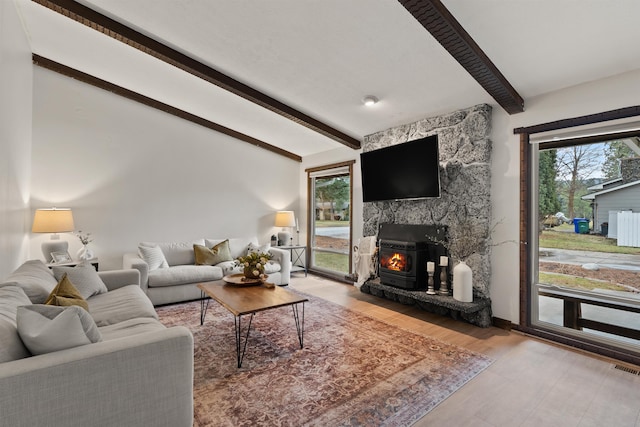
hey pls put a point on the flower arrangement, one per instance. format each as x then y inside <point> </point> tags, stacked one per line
<point>85,239</point>
<point>253,265</point>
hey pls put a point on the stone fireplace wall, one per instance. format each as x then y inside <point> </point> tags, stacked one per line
<point>465,180</point>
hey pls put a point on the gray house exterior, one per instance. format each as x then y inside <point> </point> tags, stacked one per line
<point>625,197</point>
<point>622,194</point>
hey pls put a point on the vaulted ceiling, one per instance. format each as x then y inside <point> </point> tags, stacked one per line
<point>317,59</point>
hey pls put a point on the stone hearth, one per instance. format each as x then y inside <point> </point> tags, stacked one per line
<point>477,312</point>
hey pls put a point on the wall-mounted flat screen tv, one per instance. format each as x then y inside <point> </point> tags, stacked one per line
<point>410,170</point>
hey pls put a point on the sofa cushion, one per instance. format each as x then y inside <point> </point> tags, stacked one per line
<point>184,274</point>
<point>139,325</point>
<point>12,348</point>
<point>178,253</point>
<point>153,256</point>
<point>272,267</point>
<point>217,254</point>
<point>66,294</point>
<point>118,305</point>
<point>84,277</point>
<point>47,328</point>
<point>35,278</point>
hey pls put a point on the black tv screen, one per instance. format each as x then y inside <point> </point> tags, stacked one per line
<point>404,171</point>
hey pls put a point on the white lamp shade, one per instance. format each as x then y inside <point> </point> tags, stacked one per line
<point>285,219</point>
<point>52,221</point>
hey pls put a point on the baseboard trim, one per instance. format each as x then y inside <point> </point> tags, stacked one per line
<point>502,323</point>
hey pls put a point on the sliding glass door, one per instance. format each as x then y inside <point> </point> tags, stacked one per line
<point>330,196</point>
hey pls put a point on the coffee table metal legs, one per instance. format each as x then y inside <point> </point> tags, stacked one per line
<point>299,322</point>
<point>241,347</point>
<point>203,307</point>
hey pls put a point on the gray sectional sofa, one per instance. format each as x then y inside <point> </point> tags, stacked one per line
<point>139,373</point>
<point>176,279</point>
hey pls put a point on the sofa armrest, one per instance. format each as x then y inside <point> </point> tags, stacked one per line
<point>115,279</point>
<point>132,260</point>
<point>140,380</point>
<point>283,257</point>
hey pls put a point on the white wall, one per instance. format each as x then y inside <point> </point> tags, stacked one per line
<point>595,97</point>
<point>15,139</point>
<point>132,173</point>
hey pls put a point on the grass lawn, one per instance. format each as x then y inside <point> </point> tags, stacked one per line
<point>332,261</point>
<point>555,238</point>
<point>578,282</point>
<point>332,223</point>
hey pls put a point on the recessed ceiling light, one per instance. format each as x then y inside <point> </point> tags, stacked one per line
<point>370,100</point>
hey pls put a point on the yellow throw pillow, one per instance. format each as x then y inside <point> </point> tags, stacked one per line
<point>65,294</point>
<point>219,253</point>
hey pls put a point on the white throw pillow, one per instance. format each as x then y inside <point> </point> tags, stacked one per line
<point>153,256</point>
<point>253,248</point>
<point>84,277</point>
<point>49,328</point>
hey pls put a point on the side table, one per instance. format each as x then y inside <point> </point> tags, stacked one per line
<point>298,257</point>
<point>92,261</point>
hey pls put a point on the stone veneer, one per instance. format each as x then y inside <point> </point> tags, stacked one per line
<point>465,180</point>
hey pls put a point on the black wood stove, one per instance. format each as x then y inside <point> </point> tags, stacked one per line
<point>404,251</point>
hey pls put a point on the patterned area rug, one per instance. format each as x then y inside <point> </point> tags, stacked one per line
<point>352,371</point>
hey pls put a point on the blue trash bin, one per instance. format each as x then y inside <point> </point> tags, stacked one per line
<point>576,224</point>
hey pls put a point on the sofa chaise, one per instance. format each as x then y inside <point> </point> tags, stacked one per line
<point>169,274</point>
<point>134,371</point>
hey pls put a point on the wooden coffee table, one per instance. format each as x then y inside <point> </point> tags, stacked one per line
<point>249,300</point>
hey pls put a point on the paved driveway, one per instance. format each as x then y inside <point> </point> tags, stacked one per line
<point>603,259</point>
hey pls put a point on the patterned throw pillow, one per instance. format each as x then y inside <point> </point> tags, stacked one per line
<point>84,277</point>
<point>65,294</point>
<point>153,256</point>
<point>219,253</point>
<point>253,248</point>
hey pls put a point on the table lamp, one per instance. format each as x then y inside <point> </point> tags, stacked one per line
<point>53,220</point>
<point>285,219</point>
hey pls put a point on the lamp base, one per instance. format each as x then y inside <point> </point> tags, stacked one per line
<point>284,238</point>
<point>53,246</point>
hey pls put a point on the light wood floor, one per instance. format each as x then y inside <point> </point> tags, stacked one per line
<point>530,383</point>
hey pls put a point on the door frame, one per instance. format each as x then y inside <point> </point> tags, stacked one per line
<point>311,212</point>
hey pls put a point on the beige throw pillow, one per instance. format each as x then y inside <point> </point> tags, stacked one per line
<point>219,253</point>
<point>65,294</point>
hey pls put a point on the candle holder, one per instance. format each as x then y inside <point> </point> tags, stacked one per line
<point>444,289</point>
<point>431,290</point>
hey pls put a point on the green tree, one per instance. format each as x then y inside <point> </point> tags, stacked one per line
<point>576,164</point>
<point>614,152</point>
<point>548,201</point>
<point>334,191</point>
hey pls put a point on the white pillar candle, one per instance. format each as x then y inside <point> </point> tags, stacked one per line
<point>297,229</point>
<point>444,261</point>
<point>431,267</point>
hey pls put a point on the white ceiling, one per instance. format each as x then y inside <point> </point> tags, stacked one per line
<point>323,56</point>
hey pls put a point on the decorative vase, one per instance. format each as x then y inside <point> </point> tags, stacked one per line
<point>462,282</point>
<point>250,272</point>
<point>85,253</point>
